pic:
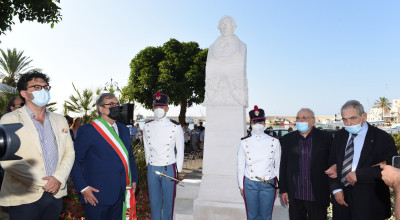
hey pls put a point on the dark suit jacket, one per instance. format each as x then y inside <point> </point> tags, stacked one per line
<point>289,168</point>
<point>98,165</point>
<point>370,197</point>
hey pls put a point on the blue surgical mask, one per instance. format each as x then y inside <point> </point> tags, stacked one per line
<point>302,126</point>
<point>353,129</point>
<point>41,98</point>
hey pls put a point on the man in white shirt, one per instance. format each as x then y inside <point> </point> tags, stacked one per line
<point>162,137</point>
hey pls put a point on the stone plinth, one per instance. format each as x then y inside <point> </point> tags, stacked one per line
<point>219,196</point>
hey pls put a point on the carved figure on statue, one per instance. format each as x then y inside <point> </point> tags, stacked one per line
<point>226,81</point>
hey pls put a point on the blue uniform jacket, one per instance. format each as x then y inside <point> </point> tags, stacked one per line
<point>98,165</point>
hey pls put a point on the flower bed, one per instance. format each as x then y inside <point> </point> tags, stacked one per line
<point>74,210</point>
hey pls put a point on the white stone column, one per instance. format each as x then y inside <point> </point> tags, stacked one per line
<point>226,101</point>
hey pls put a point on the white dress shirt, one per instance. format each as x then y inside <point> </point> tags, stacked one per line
<point>358,145</point>
<point>258,155</point>
<point>161,137</point>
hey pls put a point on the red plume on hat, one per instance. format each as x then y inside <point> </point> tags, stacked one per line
<point>158,94</point>
<point>255,108</point>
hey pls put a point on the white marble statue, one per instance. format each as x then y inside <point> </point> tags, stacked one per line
<point>226,81</point>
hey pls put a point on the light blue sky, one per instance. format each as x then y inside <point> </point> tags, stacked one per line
<point>315,53</point>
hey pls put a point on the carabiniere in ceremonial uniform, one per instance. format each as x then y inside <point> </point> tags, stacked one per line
<point>258,168</point>
<point>161,137</point>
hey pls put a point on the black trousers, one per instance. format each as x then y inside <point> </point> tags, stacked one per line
<point>306,210</point>
<point>47,207</point>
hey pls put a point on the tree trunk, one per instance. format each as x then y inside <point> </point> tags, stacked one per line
<point>182,114</point>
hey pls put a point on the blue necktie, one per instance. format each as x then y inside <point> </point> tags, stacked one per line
<point>348,160</point>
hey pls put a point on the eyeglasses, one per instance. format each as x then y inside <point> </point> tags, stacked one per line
<point>351,119</point>
<point>40,87</point>
<point>112,104</point>
<point>302,118</point>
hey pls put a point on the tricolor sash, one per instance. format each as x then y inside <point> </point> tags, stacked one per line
<point>105,130</point>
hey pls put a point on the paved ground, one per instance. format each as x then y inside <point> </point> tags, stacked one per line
<point>192,167</point>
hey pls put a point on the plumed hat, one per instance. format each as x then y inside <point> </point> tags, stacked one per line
<point>257,114</point>
<point>160,99</point>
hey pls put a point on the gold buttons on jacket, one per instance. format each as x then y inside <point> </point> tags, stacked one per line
<point>249,158</point>
<point>148,136</point>
<point>248,152</point>
<point>247,146</point>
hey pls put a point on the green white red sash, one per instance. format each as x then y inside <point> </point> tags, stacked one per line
<point>105,130</point>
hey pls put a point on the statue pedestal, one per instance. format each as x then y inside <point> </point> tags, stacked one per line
<point>219,196</point>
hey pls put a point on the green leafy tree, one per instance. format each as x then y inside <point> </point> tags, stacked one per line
<point>384,104</point>
<point>396,138</point>
<point>83,103</point>
<point>43,11</point>
<point>176,68</point>
<point>12,64</point>
<point>126,95</point>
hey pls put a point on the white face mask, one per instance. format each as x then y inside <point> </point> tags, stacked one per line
<point>159,113</point>
<point>258,129</point>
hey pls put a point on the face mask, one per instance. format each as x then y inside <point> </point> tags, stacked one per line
<point>258,129</point>
<point>302,126</point>
<point>41,98</point>
<point>115,112</point>
<point>354,129</point>
<point>159,113</point>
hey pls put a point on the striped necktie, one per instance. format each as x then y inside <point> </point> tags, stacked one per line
<point>348,160</point>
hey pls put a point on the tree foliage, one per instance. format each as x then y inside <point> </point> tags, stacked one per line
<point>83,103</point>
<point>43,11</point>
<point>176,68</point>
<point>384,104</point>
<point>12,64</point>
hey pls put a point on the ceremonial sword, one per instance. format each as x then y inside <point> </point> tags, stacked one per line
<point>164,175</point>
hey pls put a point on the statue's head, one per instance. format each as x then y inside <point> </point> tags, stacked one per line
<point>227,26</point>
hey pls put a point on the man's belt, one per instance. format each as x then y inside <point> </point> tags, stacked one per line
<point>263,180</point>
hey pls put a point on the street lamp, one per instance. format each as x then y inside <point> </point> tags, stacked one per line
<point>109,86</point>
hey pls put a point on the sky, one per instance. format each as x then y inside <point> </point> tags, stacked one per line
<point>300,53</point>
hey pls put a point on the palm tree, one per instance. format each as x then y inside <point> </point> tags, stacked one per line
<point>384,104</point>
<point>82,103</point>
<point>12,64</point>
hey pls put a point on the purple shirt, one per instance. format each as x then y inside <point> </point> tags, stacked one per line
<point>304,187</point>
